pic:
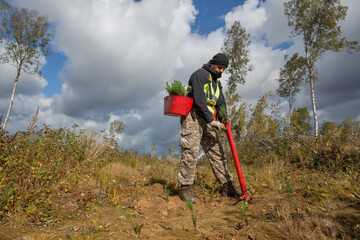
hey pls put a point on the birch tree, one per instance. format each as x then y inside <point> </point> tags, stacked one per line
<point>318,23</point>
<point>236,45</point>
<point>25,39</point>
<point>291,78</point>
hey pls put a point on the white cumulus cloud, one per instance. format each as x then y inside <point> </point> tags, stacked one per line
<point>120,54</point>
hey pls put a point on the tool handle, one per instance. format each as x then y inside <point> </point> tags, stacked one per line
<point>237,162</point>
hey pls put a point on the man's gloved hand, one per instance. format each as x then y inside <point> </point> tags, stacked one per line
<point>226,120</point>
<point>218,125</point>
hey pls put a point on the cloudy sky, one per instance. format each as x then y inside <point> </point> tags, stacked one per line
<point>112,59</point>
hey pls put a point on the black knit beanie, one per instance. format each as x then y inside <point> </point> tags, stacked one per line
<point>220,59</point>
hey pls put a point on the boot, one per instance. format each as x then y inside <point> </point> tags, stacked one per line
<point>185,194</point>
<point>230,190</point>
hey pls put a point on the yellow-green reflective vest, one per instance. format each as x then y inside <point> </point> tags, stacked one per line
<point>211,97</point>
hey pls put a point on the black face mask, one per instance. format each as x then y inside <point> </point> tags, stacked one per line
<point>213,73</point>
<point>218,75</point>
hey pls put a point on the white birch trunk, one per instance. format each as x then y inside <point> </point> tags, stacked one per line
<point>12,98</point>
<point>312,89</point>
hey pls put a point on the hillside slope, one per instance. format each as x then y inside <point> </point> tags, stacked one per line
<point>286,203</point>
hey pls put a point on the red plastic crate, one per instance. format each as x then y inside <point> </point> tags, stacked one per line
<point>175,105</point>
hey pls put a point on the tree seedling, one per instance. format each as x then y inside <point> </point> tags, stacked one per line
<point>175,88</point>
<point>190,206</point>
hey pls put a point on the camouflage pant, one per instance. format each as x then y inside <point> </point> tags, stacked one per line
<point>193,133</point>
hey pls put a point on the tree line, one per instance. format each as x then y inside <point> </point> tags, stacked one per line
<point>25,38</point>
<point>318,23</point>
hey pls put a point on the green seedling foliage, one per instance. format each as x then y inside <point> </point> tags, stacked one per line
<point>243,211</point>
<point>190,205</point>
<point>175,88</point>
<point>223,114</point>
<point>203,189</point>
<point>167,193</point>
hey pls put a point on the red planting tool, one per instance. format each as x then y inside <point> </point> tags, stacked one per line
<point>245,194</point>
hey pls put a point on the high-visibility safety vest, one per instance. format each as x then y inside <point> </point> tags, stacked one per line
<point>211,96</point>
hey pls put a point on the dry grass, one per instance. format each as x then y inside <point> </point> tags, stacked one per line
<point>73,177</point>
<point>95,148</point>
<point>305,226</point>
<point>123,175</point>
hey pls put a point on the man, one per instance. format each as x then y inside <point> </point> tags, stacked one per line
<point>199,128</point>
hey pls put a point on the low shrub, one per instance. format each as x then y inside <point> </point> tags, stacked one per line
<point>34,166</point>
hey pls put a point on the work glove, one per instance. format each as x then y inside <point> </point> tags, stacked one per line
<point>226,120</point>
<point>218,125</point>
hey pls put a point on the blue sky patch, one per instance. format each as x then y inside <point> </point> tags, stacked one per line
<point>54,65</point>
<point>211,14</point>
